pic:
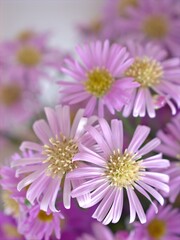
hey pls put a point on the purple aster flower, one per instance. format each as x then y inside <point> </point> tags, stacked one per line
<point>99,80</point>
<point>31,59</point>
<point>158,78</point>
<point>37,224</point>
<point>46,171</point>
<point>8,228</point>
<point>76,221</point>
<point>170,139</point>
<point>161,226</point>
<point>174,179</point>
<point>16,103</point>
<point>154,20</point>
<point>102,232</point>
<point>115,171</point>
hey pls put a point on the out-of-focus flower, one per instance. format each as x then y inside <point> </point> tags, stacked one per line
<point>17,104</point>
<point>154,20</point>
<point>158,78</point>
<point>114,171</point>
<point>33,59</point>
<point>161,226</point>
<point>37,224</point>
<point>76,221</point>
<point>99,79</point>
<point>47,170</point>
<point>102,232</point>
<point>174,175</point>
<point>170,139</point>
<point>8,228</point>
<point>11,197</point>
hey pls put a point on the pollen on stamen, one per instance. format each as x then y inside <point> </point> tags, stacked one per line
<point>148,72</point>
<point>60,153</point>
<point>122,170</point>
<point>99,82</point>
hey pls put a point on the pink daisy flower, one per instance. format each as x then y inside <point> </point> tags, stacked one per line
<point>37,224</point>
<point>16,103</point>
<point>47,171</point>
<point>99,80</point>
<point>102,232</point>
<point>114,171</point>
<point>8,228</point>
<point>161,226</point>
<point>158,78</point>
<point>170,139</point>
<point>32,59</point>
<point>174,179</point>
<point>154,20</point>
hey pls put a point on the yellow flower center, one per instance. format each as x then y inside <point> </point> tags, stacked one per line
<point>99,82</point>
<point>124,4</point>
<point>25,36</point>
<point>29,56</point>
<point>10,94</point>
<point>45,217</point>
<point>156,229</point>
<point>59,156</point>
<point>122,170</point>
<point>10,231</point>
<point>96,26</point>
<point>146,71</point>
<point>155,27</point>
<point>10,204</point>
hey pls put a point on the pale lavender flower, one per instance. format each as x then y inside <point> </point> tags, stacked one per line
<point>46,171</point>
<point>114,171</point>
<point>154,20</point>
<point>99,79</point>
<point>161,226</point>
<point>159,80</point>
<point>170,139</point>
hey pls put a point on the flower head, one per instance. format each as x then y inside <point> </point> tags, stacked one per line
<point>158,78</point>
<point>31,59</point>
<point>16,103</point>
<point>154,20</point>
<point>113,171</point>
<point>98,78</point>
<point>161,226</point>
<point>8,228</point>
<point>170,139</point>
<point>38,224</point>
<point>47,170</point>
<point>174,177</point>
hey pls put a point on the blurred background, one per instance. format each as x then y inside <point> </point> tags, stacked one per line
<point>61,17</point>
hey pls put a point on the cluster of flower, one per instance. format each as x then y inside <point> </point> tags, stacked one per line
<point>94,146</point>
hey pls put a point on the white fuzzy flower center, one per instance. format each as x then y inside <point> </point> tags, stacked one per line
<point>148,72</point>
<point>59,156</point>
<point>122,170</point>
<point>99,82</point>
